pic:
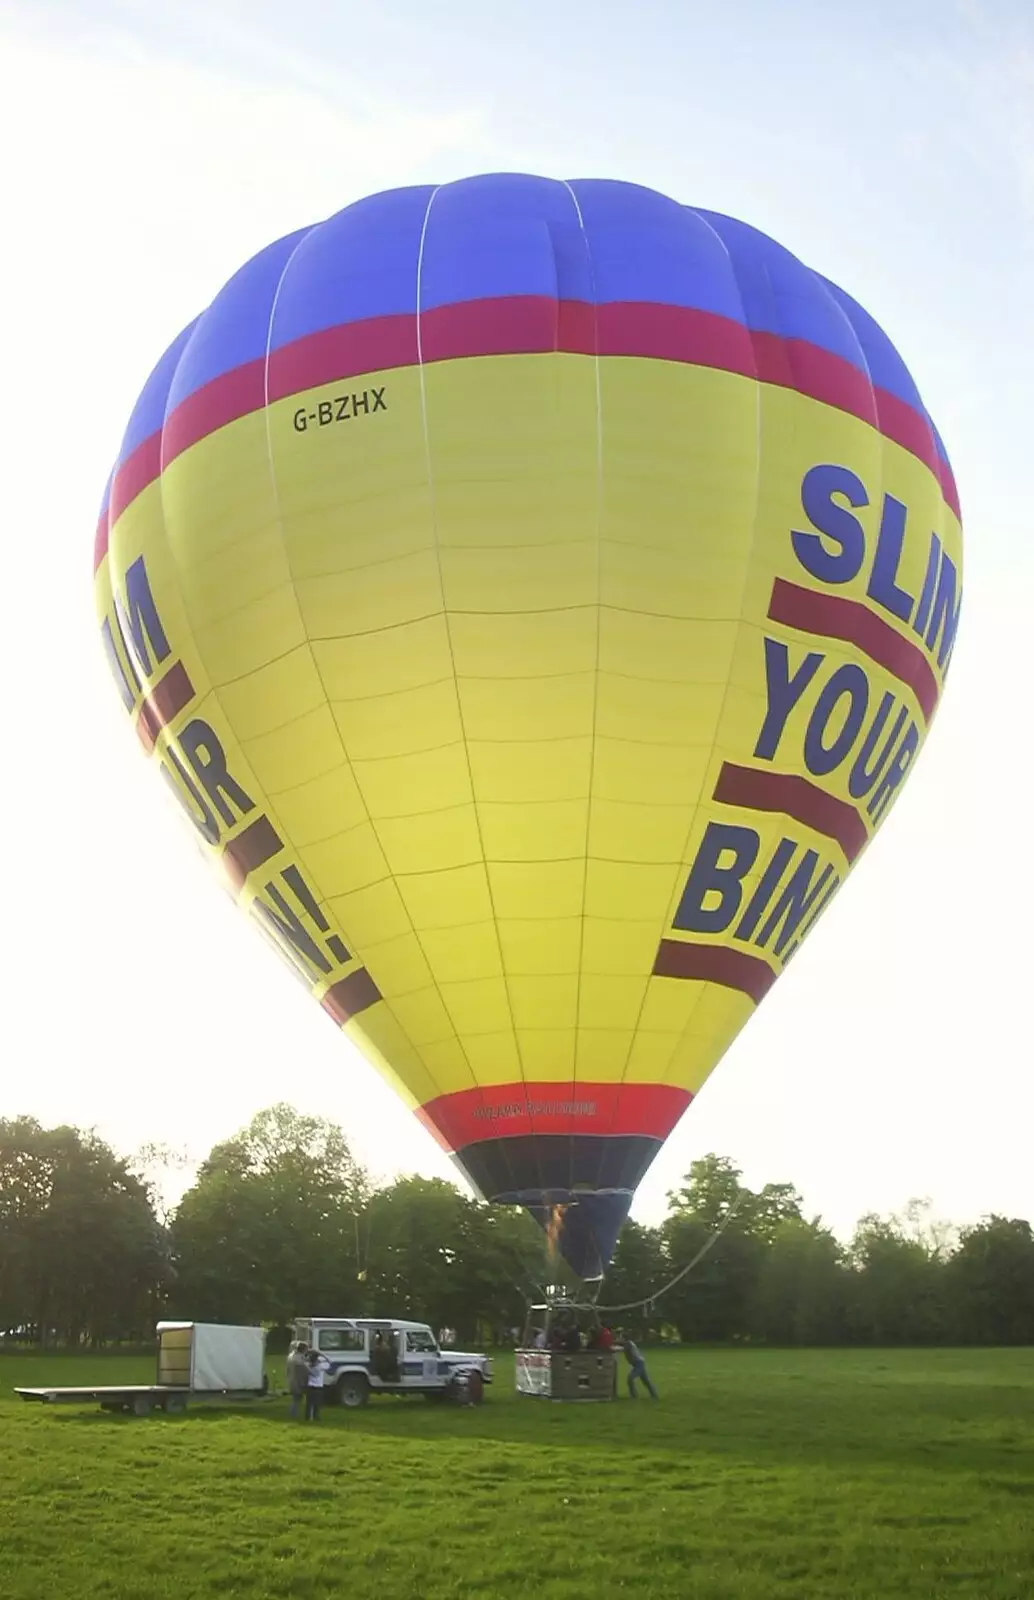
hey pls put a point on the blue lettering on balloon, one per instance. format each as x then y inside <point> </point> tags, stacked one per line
<point>834,522</point>
<point>799,897</point>
<point>187,791</point>
<point>140,623</point>
<point>866,769</point>
<point>891,780</point>
<point>850,681</point>
<point>766,888</point>
<point>944,619</point>
<point>122,671</point>
<point>784,692</point>
<point>883,584</point>
<point>933,560</point>
<point>710,875</point>
<point>200,744</point>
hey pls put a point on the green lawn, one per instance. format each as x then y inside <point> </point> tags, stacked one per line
<point>759,1475</point>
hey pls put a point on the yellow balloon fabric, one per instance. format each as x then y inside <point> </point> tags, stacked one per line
<point>537,594</point>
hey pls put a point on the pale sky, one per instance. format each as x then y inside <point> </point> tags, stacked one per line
<point>148,151</point>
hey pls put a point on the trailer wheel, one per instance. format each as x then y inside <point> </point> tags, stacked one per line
<point>175,1405</point>
<point>353,1389</point>
<point>143,1405</point>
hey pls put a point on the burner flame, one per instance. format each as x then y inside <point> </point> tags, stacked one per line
<point>554,1228</point>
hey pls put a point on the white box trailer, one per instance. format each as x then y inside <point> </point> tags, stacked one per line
<point>211,1357</point>
<point>196,1361</point>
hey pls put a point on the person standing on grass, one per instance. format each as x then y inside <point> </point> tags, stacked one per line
<point>637,1369</point>
<point>297,1375</point>
<point>318,1367</point>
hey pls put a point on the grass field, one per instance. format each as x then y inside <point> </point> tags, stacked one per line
<point>760,1474</point>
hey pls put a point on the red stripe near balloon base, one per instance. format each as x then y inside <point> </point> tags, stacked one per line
<point>515,1110</point>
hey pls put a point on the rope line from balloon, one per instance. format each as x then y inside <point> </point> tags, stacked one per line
<point>636,1305</point>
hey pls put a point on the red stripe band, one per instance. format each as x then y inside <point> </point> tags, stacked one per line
<point>349,996</point>
<point>835,617</point>
<point>524,324</point>
<point>757,789</point>
<point>515,1110</point>
<point>170,695</point>
<point>258,843</point>
<point>715,963</point>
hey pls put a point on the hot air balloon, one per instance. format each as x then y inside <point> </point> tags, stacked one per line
<point>537,594</point>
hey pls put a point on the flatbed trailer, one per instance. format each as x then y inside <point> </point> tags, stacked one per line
<point>196,1361</point>
<point>140,1398</point>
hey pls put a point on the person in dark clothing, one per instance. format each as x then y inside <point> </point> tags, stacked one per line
<point>637,1370</point>
<point>384,1358</point>
<point>298,1375</point>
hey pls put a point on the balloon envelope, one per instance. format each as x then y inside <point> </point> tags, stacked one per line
<point>537,594</point>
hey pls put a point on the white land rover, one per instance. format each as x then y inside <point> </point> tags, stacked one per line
<point>382,1355</point>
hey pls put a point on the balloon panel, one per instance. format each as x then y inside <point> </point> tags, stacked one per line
<point>537,596</point>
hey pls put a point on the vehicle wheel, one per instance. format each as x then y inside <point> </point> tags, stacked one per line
<point>175,1405</point>
<point>353,1389</point>
<point>143,1405</point>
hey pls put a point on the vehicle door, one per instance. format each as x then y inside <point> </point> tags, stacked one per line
<point>344,1348</point>
<point>420,1359</point>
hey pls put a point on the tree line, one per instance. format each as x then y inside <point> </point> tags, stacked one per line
<point>281,1220</point>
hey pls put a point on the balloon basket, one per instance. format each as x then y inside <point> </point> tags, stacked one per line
<point>587,1375</point>
<point>549,1365</point>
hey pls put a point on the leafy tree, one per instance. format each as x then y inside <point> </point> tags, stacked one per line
<point>714,1212</point>
<point>438,1256</point>
<point>711,1191</point>
<point>420,1243</point>
<point>918,1222</point>
<point>508,1271</point>
<point>281,1221</point>
<point>159,1168</point>
<point>640,1270</point>
<point>272,1227</point>
<point>990,1279</point>
<point>800,1293</point>
<point>897,1292</point>
<point>82,1255</point>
